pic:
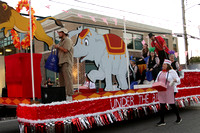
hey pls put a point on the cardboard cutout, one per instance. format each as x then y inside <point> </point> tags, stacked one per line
<point>107,51</point>
<point>11,19</point>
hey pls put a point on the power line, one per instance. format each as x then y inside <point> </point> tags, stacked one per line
<point>111,8</point>
<point>95,25</point>
<point>124,11</point>
<point>170,24</point>
<point>118,28</point>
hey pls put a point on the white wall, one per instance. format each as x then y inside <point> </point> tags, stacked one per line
<point>2,74</point>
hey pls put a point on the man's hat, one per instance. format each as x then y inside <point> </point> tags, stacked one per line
<point>150,35</point>
<point>64,30</point>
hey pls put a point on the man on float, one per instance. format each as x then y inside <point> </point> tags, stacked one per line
<point>65,55</point>
<point>161,48</point>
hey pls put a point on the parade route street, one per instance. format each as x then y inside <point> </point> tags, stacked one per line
<point>9,126</point>
<point>190,124</point>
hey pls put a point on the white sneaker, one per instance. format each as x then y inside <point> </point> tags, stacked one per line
<point>161,124</point>
<point>178,121</point>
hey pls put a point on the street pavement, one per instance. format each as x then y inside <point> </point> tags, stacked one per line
<point>190,124</point>
<point>9,126</point>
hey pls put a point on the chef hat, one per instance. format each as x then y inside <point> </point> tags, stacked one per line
<point>167,62</point>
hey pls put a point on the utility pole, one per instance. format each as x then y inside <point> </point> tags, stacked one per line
<point>185,32</point>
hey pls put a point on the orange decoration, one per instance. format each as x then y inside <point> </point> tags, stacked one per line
<point>26,41</point>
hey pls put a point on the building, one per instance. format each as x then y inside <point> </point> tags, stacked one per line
<point>135,34</point>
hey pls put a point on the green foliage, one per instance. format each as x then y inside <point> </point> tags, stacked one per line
<point>195,59</point>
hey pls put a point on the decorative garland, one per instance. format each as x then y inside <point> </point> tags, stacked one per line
<point>26,41</point>
<point>83,122</point>
<point>188,95</point>
<point>26,114</point>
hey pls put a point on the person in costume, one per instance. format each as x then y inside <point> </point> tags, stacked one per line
<point>134,70</point>
<point>152,65</point>
<point>144,54</point>
<point>161,48</point>
<point>175,65</point>
<point>65,55</point>
<point>169,77</point>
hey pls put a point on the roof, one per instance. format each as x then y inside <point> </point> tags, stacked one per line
<point>98,17</point>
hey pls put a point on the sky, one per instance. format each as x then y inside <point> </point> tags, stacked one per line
<point>161,13</point>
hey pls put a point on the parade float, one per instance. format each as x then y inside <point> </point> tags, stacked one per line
<point>89,109</point>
